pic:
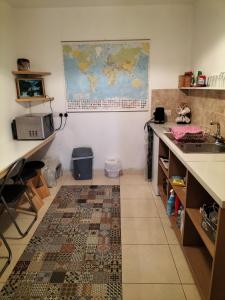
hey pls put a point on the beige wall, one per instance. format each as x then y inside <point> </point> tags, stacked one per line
<point>209,56</point>
<point>109,134</point>
<point>8,107</point>
<point>169,99</point>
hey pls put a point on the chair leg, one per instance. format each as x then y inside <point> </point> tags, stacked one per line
<point>14,221</point>
<point>9,258</point>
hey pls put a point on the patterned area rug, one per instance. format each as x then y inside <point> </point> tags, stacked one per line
<point>75,252</point>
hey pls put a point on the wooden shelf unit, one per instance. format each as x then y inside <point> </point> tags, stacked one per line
<point>195,217</point>
<point>200,263</point>
<point>206,259</point>
<point>35,99</point>
<point>202,88</point>
<point>164,169</point>
<point>180,191</point>
<point>30,73</point>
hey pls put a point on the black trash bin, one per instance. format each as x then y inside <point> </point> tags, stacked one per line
<point>82,163</point>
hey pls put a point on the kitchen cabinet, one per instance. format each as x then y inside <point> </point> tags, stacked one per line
<point>205,257</point>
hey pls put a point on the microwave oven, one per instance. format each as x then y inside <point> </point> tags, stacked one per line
<point>37,126</point>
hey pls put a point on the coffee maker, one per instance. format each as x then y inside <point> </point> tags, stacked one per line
<point>159,115</point>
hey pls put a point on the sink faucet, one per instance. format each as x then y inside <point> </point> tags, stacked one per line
<point>219,138</point>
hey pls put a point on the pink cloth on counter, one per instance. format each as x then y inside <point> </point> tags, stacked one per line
<point>179,132</point>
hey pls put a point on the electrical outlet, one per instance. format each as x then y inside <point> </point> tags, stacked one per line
<point>168,112</point>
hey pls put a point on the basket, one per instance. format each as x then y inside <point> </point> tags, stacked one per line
<point>209,220</point>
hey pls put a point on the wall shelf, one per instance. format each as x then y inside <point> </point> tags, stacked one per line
<point>202,88</point>
<point>34,99</point>
<point>31,73</point>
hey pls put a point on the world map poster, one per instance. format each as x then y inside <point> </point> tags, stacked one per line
<point>107,75</point>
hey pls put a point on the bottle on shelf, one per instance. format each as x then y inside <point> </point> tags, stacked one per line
<point>170,203</point>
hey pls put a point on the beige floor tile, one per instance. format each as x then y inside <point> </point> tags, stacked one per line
<point>142,231</point>
<point>160,207</point>
<point>17,250</point>
<point>138,208</point>
<point>99,178</point>
<point>133,179</point>
<point>181,264</point>
<point>68,179</point>
<point>148,264</point>
<point>191,292</point>
<point>10,232</point>
<point>170,234</point>
<point>153,291</point>
<point>141,191</point>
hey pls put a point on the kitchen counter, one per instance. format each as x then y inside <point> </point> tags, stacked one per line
<point>207,168</point>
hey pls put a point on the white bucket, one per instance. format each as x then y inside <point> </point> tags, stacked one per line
<point>112,168</point>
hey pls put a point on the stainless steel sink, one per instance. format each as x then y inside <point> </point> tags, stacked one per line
<point>208,146</point>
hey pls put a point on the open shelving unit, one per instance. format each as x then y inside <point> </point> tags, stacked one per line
<point>205,257</point>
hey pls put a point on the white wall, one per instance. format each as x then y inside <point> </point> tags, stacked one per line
<point>8,107</point>
<point>209,36</point>
<point>39,32</point>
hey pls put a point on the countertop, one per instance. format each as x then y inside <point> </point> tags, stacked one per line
<point>208,169</point>
<point>11,150</point>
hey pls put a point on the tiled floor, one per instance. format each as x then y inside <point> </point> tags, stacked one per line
<point>153,264</point>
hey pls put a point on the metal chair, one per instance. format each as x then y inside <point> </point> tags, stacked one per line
<point>9,257</point>
<point>12,193</point>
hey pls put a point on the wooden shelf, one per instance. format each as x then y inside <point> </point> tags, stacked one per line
<point>162,195</point>
<point>173,219</point>
<point>201,265</point>
<point>202,88</point>
<point>31,73</point>
<point>180,191</point>
<point>35,99</point>
<point>195,217</point>
<point>165,171</point>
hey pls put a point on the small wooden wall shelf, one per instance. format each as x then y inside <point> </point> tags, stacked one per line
<point>35,99</point>
<point>201,88</point>
<point>31,73</point>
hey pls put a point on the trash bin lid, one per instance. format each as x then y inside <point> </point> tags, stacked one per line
<point>82,152</point>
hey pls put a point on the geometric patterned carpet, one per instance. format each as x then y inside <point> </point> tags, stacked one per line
<point>75,252</point>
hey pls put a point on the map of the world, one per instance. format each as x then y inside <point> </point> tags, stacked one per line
<point>106,75</point>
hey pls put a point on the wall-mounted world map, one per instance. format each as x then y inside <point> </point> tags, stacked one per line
<point>107,75</point>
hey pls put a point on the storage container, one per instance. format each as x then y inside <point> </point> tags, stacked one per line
<point>82,163</point>
<point>112,168</point>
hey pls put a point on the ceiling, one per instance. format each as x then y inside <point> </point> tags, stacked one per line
<point>70,3</point>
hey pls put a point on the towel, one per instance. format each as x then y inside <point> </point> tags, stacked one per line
<point>187,132</point>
